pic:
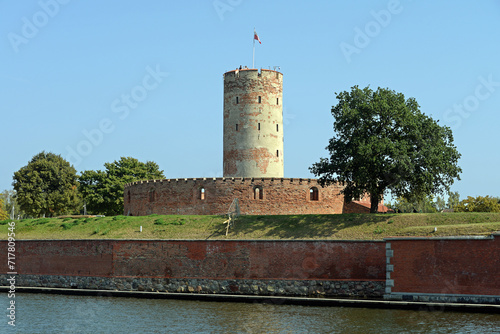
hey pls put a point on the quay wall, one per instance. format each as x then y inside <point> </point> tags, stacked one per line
<point>446,269</point>
<point>294,268</point>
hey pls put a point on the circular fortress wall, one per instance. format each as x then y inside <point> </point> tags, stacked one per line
<point>213,196</point>
<point>253,123</point>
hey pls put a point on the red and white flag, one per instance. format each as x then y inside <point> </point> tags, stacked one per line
<point>256,37</point>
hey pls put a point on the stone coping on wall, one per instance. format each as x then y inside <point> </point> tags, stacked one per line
<point>471,237</point>
<point>226,179</point>
<point>442,298</point>
<point>210,240</point>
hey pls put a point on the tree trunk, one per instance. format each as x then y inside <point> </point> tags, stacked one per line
<point>373,203</point>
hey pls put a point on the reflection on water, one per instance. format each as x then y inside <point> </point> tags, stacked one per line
<point>44,313</point>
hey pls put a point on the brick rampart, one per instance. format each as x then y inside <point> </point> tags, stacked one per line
<point>457,269</point>
<point>212,196</point>
<point>334,268</point>
<point>443,269</point>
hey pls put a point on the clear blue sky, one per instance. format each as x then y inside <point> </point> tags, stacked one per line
<point>144,78</point>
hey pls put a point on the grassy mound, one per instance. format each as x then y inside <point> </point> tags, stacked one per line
<point>344,226</point>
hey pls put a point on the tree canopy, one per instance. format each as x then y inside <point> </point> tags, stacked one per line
<point>382,142</point>
<point>3,213</point>
<point>46,186</point>
<point>102,191</point>
<point>478,204</point>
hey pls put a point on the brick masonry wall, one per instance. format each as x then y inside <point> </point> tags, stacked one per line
<point>253,123</point>
<point>423,269</point>
<point>184,196</point>
<point>333,268</point>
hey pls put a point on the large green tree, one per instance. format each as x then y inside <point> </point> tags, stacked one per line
<point>384,142</point>
<point>46,186</point>
<point>102,191</point>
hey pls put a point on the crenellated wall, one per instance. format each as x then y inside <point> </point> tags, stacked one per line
<point>212,196</point>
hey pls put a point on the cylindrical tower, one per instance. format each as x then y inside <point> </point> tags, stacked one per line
<point>253,123</point>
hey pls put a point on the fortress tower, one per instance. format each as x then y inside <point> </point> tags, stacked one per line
<point>253,123</point>
<point>253,164</point>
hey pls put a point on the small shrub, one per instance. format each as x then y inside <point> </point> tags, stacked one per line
<point>67,218</point>
<point>66,226</point>
<point>379,230</point>
<point>39,221</point>
<point>160,221</point>
<point>5,222</point>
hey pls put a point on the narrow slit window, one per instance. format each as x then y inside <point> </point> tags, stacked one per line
<point>277,127</point>
<point>260,99</point>
<point>277,153</point>
<point>237,100</point>
<point>202,193</point>
<point>258,126</point>
<point>236,127</point>
<point>152,195</point>
<point>277,101</point>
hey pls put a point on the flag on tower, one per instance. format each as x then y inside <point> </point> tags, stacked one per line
<point>256,37</point>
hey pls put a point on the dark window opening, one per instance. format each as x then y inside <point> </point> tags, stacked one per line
<point>277,127</point>
<point>258,125</point>
<point>277,153</point>
<point>313,194</point>
<point>237,100</point>
<point>236,127</point>
<point>260,99</point>
<point>258,193</point>
<point>277,101</point>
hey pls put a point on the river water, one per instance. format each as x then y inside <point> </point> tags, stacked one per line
<point>45,313</point>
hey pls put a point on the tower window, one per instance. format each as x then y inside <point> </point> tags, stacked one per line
<point>277,101</point>
<point>258,193</point>
<point>277,153</point>
<point>236,127</point>
<point>260,99</point>
<point>237,100</point>
<point>258,126</point>
<point>202,193</point>
<point>152,195</point>
<point>277,127</point>
<point>313,194</point>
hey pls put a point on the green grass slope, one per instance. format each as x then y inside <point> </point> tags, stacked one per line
<point>333,227</point>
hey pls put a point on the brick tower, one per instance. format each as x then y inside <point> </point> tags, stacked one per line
<point>253,123</point>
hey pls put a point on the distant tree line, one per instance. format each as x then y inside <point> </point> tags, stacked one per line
<point>437,204</point>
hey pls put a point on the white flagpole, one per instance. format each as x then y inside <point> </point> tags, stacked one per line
<point>253,55</point>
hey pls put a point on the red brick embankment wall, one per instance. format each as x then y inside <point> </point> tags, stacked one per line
<point>331,260</point>
<point>444,266</point>
<point>293,268</point>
